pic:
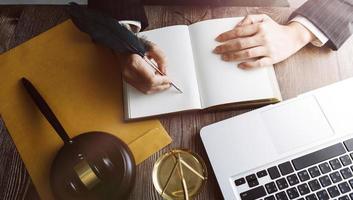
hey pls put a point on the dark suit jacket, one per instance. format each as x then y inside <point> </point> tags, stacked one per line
<point>333,17</point>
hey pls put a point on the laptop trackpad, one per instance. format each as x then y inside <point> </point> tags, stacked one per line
<point>305,124</point>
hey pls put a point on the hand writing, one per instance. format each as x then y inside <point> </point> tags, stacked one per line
<point>137,73</point>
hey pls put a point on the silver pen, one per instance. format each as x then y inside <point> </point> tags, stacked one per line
<point>155,67</point>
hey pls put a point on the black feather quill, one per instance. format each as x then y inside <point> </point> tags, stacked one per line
<point>106,30</point>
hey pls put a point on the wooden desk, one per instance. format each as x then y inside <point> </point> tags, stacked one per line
<point>308,69</point>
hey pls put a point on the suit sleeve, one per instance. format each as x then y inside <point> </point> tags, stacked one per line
<point>121,9</point>
<point>333,17</point>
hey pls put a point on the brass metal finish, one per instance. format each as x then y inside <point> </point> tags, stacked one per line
<point>86,174</point>
<point>179,175</point>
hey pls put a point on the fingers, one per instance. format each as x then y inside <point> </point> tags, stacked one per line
<point>141,76</point>
<point>158,88</point>
<point>145,88</point>
<point>139,68</point>
<point>142,69</point>
<point>238,44</point>
<point>241,31</point>
<point>252,19</point>
<point>241,47</point>
<point>261,62</point>
<point>158,55</point>
<point>247,27</point>
<point>245,54</point>
<point>158,80</point>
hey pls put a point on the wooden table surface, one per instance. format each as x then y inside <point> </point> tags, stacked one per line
<point>310,68</point>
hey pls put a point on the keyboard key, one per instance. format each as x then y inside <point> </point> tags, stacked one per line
<point>292,193</point>
<point>335,164</point>
<point>344,187</point>
<point>349,144</point>
<point>314,172</point>
<point>314,185</point>
<point>282,183</point>
<point>240,181</point>
<point>271,187</point>
<point>253,183</point>
<point>292,179</point>
<point>345,197</point>
<point>345,160</point>
<point>325,168</point>
<point>274,173</point>
<point>286,168</point>
<point>351,195</point>
<point>301,198</point>
<point>335,177</point>
<point>318,156</point>
<point>351,182</point>
<point>251,177</point>
<point>252,180</point>
<point>270,198</point>
<point>261,173</point>
<point>325,181</point>
<point>311,197</point>
<point>322,195</point>
<point>281,196</point>
<point>346,173</point>
<point>333,191</point>
<point>303,175</point>
<point>252,194</point>
<point>303,189</point>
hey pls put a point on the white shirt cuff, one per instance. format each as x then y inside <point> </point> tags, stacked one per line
<point>321,38</point>
<point>132,25</point>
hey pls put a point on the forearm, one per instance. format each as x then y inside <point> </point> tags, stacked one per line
<point>333,17</point>
<point>121,9</point>
<point>300,34</point>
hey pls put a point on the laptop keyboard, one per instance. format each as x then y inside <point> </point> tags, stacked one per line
<point>320,175</point>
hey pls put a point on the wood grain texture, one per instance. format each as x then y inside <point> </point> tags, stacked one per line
<point>9,17</point>
<point>308,69</point>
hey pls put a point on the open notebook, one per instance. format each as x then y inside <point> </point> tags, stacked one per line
<point>206,80</point>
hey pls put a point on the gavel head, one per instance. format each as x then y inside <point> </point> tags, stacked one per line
<point>92,166</point>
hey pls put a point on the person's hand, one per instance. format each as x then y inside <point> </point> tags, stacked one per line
<point>140,75</point>
<point>259,41</point>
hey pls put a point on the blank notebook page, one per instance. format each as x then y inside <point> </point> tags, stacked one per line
<point>223,82</point>
<point>176,44</point>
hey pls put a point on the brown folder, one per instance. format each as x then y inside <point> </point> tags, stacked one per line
<point>82,84</point>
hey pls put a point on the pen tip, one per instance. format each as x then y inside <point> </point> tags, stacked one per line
<point>181,92</point>
<point>177,88</point>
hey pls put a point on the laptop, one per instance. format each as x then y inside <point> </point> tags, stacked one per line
<point>301,148</point>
